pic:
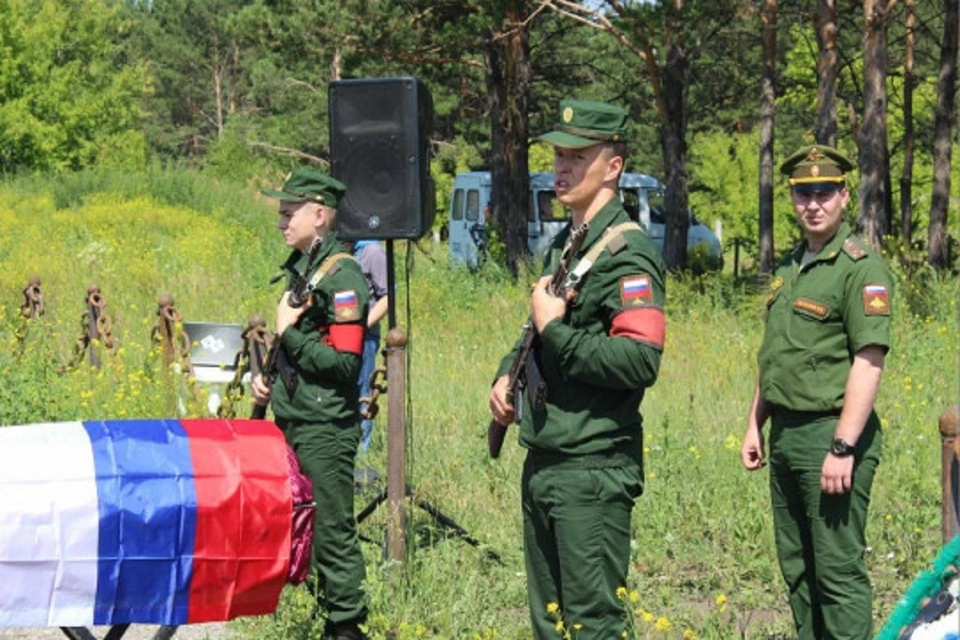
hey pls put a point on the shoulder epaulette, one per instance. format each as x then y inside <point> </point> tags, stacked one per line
<point>328,267</point>
<point>852,248</point>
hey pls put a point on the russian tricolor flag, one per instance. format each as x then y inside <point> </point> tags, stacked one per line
<point>142,521</point>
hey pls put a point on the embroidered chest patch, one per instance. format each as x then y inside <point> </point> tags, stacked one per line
<point>876,300</point>
<point>810,306</point>
<point>635,291</point>
<point>345,306</point>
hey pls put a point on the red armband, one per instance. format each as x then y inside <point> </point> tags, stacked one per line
<point>643,324</point>
<point>347,338</point>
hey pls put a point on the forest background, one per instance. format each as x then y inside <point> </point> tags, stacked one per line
<point>716,90</point>
<point>134,138</point>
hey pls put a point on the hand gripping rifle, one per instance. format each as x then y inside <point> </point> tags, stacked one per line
<point>276,361</point>
<point>518,375</point>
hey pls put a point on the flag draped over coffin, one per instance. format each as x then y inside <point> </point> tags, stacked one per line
<point>142,521</point>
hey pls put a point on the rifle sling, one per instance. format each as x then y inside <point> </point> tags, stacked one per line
<point>328,267</point>
<point>609,235</point>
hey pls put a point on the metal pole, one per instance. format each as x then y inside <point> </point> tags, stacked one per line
<point>950,480</point>
<point>396,422</point>
<point>396,444</point>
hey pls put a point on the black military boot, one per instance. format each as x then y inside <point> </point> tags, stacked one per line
<point>343,631</point>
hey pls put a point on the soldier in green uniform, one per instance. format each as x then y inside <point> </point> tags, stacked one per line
<point>597,351</point>
<point>827,333</point>
<point>315,397</point>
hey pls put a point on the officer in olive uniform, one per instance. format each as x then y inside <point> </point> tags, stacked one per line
<point>315,397</point>
<point>827,333</point>
<point>598,351</point>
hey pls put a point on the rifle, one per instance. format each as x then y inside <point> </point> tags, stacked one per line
<point>519,377</point>
<point>276,361</point>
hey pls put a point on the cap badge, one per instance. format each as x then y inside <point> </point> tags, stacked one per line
<point>814,155</point>
<point>815,171</point>
<point>568,114</point>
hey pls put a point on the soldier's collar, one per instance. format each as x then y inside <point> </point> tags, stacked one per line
<point>607,216</point>
<point>830,250</point>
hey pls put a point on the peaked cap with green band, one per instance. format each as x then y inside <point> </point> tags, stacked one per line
<point>308,185</point>
<point>584,123</point>
<point>815,165</point>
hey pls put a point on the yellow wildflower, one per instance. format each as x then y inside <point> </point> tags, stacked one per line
<point>621,593</point>
<point>662,624</point>
<point>721,602</point>
<point>552,607</point>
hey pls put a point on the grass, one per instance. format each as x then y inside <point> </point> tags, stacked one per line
<point>703,562</point>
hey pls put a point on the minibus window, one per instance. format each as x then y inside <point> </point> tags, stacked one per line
<point>457,213</point>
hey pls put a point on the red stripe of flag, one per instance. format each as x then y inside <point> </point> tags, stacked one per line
<point>244,518</point>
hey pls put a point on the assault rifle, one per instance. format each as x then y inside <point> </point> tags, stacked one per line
<point>519,376</point>
<point>276,363</point>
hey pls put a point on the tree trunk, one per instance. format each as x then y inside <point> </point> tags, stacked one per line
<point>218,69</point>
<point>508,84</point>
<point>906,178</point>
<point>874,170</point>
<point>827,72</point>
<point>768,95</point>
<point>673,141</point>
<point>942,143</point>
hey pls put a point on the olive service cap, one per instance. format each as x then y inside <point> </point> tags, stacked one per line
<point>584,123</point>
<point>309,185</point>
<point>816,167</point>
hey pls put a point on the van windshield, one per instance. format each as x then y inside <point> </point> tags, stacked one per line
<point>551,210</point>
<point>656,202</point>
<point>473,205</point>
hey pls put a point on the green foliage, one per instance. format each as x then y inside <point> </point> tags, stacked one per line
<point>69,95</point>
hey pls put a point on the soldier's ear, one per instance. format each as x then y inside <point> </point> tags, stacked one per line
<point>614,167</point>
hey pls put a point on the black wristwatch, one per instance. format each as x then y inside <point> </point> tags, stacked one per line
<point>840,448</point>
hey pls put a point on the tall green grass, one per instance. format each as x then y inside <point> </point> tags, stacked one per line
<point>703,562</point>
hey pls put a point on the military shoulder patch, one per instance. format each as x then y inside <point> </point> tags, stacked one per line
<point>636,290</point>
<point>345,306</point>
<point>852,249</point>
<point>876,300</point>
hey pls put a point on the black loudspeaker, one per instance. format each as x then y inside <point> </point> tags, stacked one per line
<point>380,149</point>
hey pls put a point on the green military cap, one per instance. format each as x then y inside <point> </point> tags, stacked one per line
<point>816,167</point>
<point>309,185</point>
<point>584,123</point>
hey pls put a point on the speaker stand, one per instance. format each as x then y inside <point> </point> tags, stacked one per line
<point>398,490</point>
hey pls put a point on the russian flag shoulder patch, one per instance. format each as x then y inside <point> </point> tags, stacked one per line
<point>636,290</point>
<point>345,305</point>
<point>876,300</point>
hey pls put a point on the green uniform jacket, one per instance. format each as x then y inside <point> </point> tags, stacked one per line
<point>327,391</point>
<point>818,316</point>
<point>596,381</point>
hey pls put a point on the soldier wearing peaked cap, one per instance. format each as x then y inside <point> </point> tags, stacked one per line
<point>598,352</point>
<point>315,397</point>
<point>826,336</point>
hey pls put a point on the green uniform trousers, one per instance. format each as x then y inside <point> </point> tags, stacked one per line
<point>576,535</point>
<point>326,453</point>
<point>820,538</point>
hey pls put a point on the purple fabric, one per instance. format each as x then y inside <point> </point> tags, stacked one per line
<point>301,539</point>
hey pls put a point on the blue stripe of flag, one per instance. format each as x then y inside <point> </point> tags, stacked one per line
<point>147,500</point>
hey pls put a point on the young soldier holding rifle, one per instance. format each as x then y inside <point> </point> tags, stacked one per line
<point>597,350</point>
<point>314,393</point>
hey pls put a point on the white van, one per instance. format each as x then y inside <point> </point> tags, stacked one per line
<point>642,197</point>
